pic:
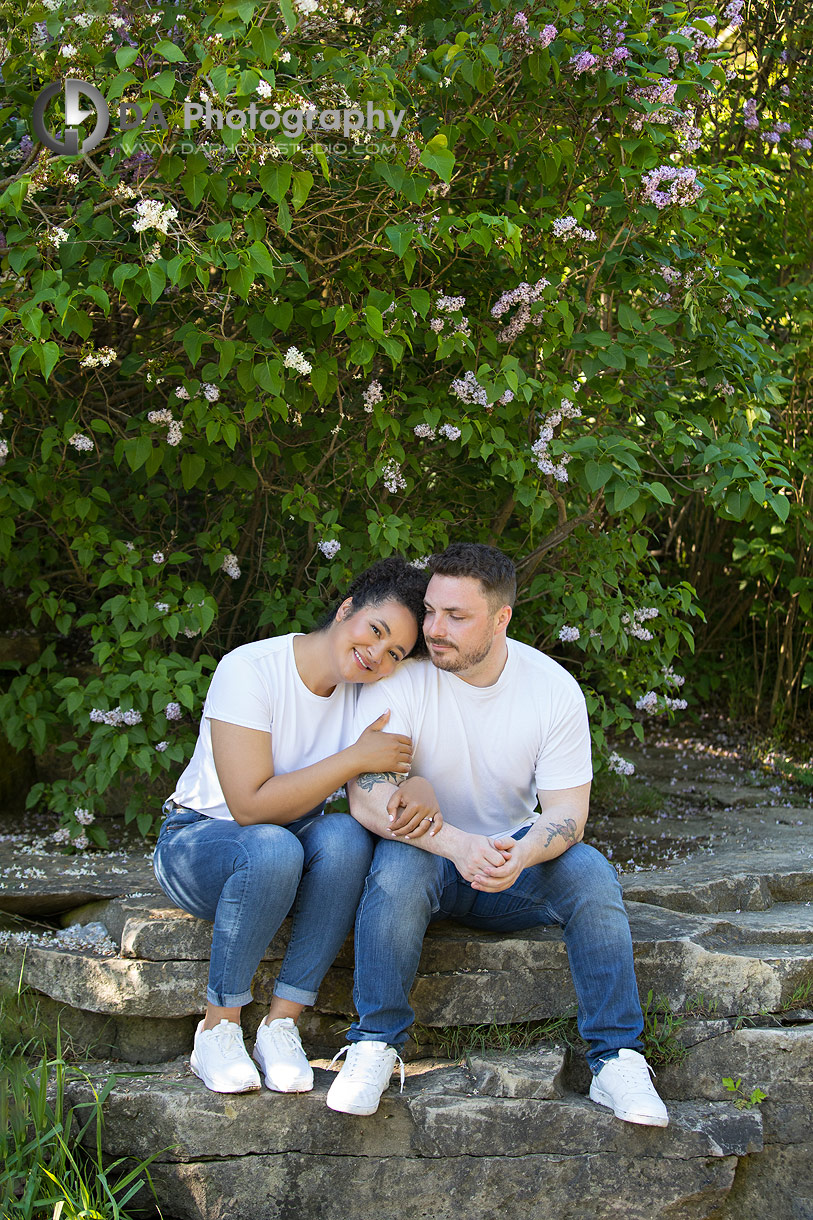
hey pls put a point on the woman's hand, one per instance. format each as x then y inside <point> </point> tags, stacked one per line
<point>414,809</point>
<point>383,753</point>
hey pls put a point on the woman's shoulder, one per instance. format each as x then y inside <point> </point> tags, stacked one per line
<point>259,654</point>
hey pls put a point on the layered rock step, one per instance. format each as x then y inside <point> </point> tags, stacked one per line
<point>141,1000</point>
<point>496,1134</point>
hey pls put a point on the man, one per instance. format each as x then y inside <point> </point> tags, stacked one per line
<point>495,725</point>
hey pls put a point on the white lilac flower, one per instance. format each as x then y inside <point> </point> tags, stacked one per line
<point>81,442</point>
<point>191,632</point>
<point>450,432</point>
<point>568,634</point>
<point>284,57</point>
<point>424,431</point>
<point>450,304</point>
<point>56,236</point>
<point>182,393</point>
<point>161,746</point>
<point>648,702</point>
<point>468,389</point>
<point>675,705</point>
<point>158,557</point>
<point>81,842</point>
<point>131,717</point>
<point>671,678</point>
<point>69,51</point>
<point>421,563</point>
<point>175,432</point>
<point>83,816</point>
<point>329,547</point>
<point>293,359</point>
<point>61,835</point>
<point>173,711</point>
<point>3,451</point>
<point>392,477</point>
<point>210,392</point>
<point>231,566</point>
<point>264,89</point>
<point>153,214</point>
<point>620,765</point>
<point>162,607</point>
<point>372,395</point>
<point>507,397</point>
<point>164,416</point>
<point>103,357</point>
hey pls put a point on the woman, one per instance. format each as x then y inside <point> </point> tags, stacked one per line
<point>245,840</point>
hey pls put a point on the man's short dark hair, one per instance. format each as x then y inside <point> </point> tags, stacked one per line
<point>494,570</point>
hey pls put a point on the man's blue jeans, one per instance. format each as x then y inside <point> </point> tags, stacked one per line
<point>246,879</point>
<point>408,888</point>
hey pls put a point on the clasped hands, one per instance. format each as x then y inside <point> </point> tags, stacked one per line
<point>487,864</point>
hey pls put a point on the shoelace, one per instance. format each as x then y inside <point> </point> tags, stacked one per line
<point>229,1040</point>
<point>635,1073</point>
<point>288,1036</point>
<point>357,1070</point>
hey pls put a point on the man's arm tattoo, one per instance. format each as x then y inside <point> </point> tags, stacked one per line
<point>566,829</point>
<point>369,779</point>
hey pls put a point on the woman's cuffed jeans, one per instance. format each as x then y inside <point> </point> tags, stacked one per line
<point>408,888</point>
<point>246,879</point>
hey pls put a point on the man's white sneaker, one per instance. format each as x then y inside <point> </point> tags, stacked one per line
<point>624,1085</point>
<point>364,1076</point>
<point>221,1060</point>
<point>283,1062</point>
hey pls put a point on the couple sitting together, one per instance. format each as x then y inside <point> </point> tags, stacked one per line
<point>485,728</point>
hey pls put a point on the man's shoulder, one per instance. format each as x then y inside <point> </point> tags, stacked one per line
<point>533,666</point>
<point>410,674</point>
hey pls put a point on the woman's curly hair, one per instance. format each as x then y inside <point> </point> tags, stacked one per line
<point>391,579</point>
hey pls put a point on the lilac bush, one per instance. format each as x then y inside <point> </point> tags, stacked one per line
<point>243,361</point>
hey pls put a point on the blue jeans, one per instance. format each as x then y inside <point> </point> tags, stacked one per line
<point>246,879</point>
<point>408,888</point>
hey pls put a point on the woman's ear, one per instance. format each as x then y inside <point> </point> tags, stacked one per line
<point>345,610</point>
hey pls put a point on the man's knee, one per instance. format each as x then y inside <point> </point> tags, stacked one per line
<point>403,871</point>
<point>584,866</point>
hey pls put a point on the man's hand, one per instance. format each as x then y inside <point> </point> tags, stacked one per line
<point>492,879</point>
<point>479,856</point>
<point>413,809</point>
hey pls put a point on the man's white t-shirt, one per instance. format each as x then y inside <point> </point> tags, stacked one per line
<point>487,749</point>
<point>258,686</point>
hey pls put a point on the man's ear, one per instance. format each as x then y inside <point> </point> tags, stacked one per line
<point>504,616</point>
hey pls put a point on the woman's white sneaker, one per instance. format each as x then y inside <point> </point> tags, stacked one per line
<point>221,1060</point>
<point>365,1074</point>
<point>625,1087</point>
<point>283,1062</point>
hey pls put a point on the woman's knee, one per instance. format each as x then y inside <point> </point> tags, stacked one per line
<point>271,852</point>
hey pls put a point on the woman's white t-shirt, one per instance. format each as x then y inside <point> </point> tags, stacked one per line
<point>488,750</point>
<point>258,687</point>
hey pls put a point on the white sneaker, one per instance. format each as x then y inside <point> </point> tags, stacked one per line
<point>284,1064</point>
<point>624,1085</point>
<point>365,1075</point>
<point>221,1060</point>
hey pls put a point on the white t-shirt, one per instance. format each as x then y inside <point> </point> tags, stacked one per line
<point>258,686</point>
<point>487,749</point>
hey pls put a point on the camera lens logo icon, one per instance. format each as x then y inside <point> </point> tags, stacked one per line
<point>74,115</point>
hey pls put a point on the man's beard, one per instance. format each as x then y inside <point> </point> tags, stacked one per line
<point>455,661</point>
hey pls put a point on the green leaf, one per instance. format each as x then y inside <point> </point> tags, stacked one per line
<point>156,282</point>
<point>399,237</point>
<point>192,467</point>
<point>275,181</point>
<point>660,492</point>
<point>125,56</point>
<point>169,51</point>
<point>288,13</point>
<point>596,474</point>
<point>49,353</point>
<point>438,157</point>
<point>303,181</point>
<point>781,506</point>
